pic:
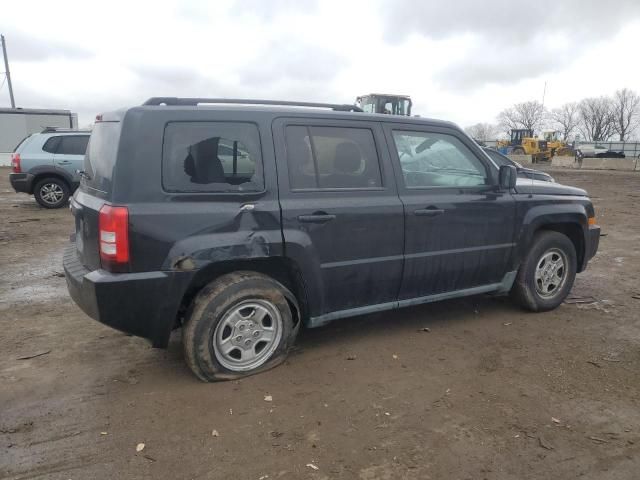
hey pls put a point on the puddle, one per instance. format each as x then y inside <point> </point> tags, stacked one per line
<point>32,282</point>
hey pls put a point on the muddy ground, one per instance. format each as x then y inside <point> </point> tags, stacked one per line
<point>490,392</point>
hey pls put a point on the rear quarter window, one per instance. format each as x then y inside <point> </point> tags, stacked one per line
<point>51,144</point>
<point>216,157</point>
<point>101,155</point>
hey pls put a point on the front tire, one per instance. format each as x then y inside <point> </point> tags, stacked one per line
<point>238,325</point>
<point>546,276</point>
<point>51,192</point>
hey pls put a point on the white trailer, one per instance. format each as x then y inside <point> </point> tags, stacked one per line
<point>18,123</point>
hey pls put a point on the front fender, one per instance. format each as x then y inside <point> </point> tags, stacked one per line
<point>538,216</point>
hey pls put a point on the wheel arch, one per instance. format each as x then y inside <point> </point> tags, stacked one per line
<point>46,172</point>
<point>570,219</point>
<point>281,269</point>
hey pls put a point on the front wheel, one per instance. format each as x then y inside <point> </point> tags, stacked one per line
<point>547,274</point>
<point>238,325</point>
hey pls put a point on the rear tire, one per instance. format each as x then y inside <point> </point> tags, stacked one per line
<point>238,325</point>
<point>547,274</point>
<point>52,192</point>
<point>517,151</point>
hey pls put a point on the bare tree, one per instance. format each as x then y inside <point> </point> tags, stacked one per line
<point>566,119</point>
<point>522,115</point>
<point>482,131</point>
<point>626,110</point>
<point>597,118</point>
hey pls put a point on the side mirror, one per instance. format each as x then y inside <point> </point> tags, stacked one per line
<point>507,177</point>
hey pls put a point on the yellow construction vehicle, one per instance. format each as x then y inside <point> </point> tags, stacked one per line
<point>523,142</point>
<point>556,146</point>
<point>390,104</point>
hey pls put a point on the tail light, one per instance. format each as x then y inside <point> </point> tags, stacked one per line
<point>114,238</point>
<point>15,163</point>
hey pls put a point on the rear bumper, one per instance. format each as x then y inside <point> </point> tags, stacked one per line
<point>22,182</point>
<point>591,242</point>
<point>143,304</point>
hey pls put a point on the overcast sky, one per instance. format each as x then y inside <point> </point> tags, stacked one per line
<point>460,60</point>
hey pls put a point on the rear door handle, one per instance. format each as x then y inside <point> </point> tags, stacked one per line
<point>316,218</point>
<point>428,212</point>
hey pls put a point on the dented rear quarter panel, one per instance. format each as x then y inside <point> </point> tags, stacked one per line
<point>187,231</point>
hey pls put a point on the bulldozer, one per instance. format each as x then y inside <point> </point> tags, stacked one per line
<point>556,146</point>
<point>385,103</point>
<point>523,142</point>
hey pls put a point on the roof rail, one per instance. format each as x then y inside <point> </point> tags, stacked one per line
<point>241,101</point>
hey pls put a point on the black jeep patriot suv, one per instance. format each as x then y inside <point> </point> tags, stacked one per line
<point>240,221</point>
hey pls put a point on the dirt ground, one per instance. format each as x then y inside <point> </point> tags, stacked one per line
<point>490,392</point>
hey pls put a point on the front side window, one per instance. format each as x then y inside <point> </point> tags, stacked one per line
<point>212,157</point>
<point>437,160</point>
<point>332,158</point>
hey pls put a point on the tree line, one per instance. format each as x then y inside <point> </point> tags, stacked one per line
<point>593,119</point>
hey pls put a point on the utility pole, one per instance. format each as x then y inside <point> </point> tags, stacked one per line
<point>6,71</point>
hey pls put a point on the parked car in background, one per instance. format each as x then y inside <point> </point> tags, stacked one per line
<point>593,150</point>
<point>523,172</point>
<point>46,165</point>
<point>242,223</point>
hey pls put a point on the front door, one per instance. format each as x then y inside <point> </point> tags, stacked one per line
<point>341,216</point>
<point>458,224</point>
<point>70,152</point>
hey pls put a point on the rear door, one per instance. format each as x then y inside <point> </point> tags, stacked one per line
<point>458,225</point>
<point>341,216</point>
<point>70,153</point>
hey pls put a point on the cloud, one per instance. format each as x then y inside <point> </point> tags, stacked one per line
<point>269,9</point>
<point>510,42</point>
<point>506,20</point>
<point>29,48</point>
<point>291,59</point>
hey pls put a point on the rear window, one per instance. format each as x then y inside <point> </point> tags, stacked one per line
<point>218,157</point>
<point>100,157</point>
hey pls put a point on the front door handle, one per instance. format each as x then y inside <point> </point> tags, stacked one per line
<point>428,212</point>
<point>64,162</point>
<point>316,218</point>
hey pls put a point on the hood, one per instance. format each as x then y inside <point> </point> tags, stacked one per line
<point>527,185</point>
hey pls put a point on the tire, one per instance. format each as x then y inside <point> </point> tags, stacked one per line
<point>517,151</point>
<point>529,289</point>
<point>222,318</point>
<point>51,192</point>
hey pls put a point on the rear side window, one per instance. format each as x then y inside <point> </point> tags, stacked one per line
<point>332,157</point>
<point>51,145</point>
<point>73,145</point>
<point>221,157</point>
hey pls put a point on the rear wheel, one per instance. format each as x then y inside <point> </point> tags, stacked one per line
<point>518,151</point>
<point>547,274</point>
<point>51,192</point>
<point>238,325</point>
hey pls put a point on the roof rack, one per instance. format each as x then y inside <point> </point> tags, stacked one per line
<point>241,101</point>
<point>62,129</point>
